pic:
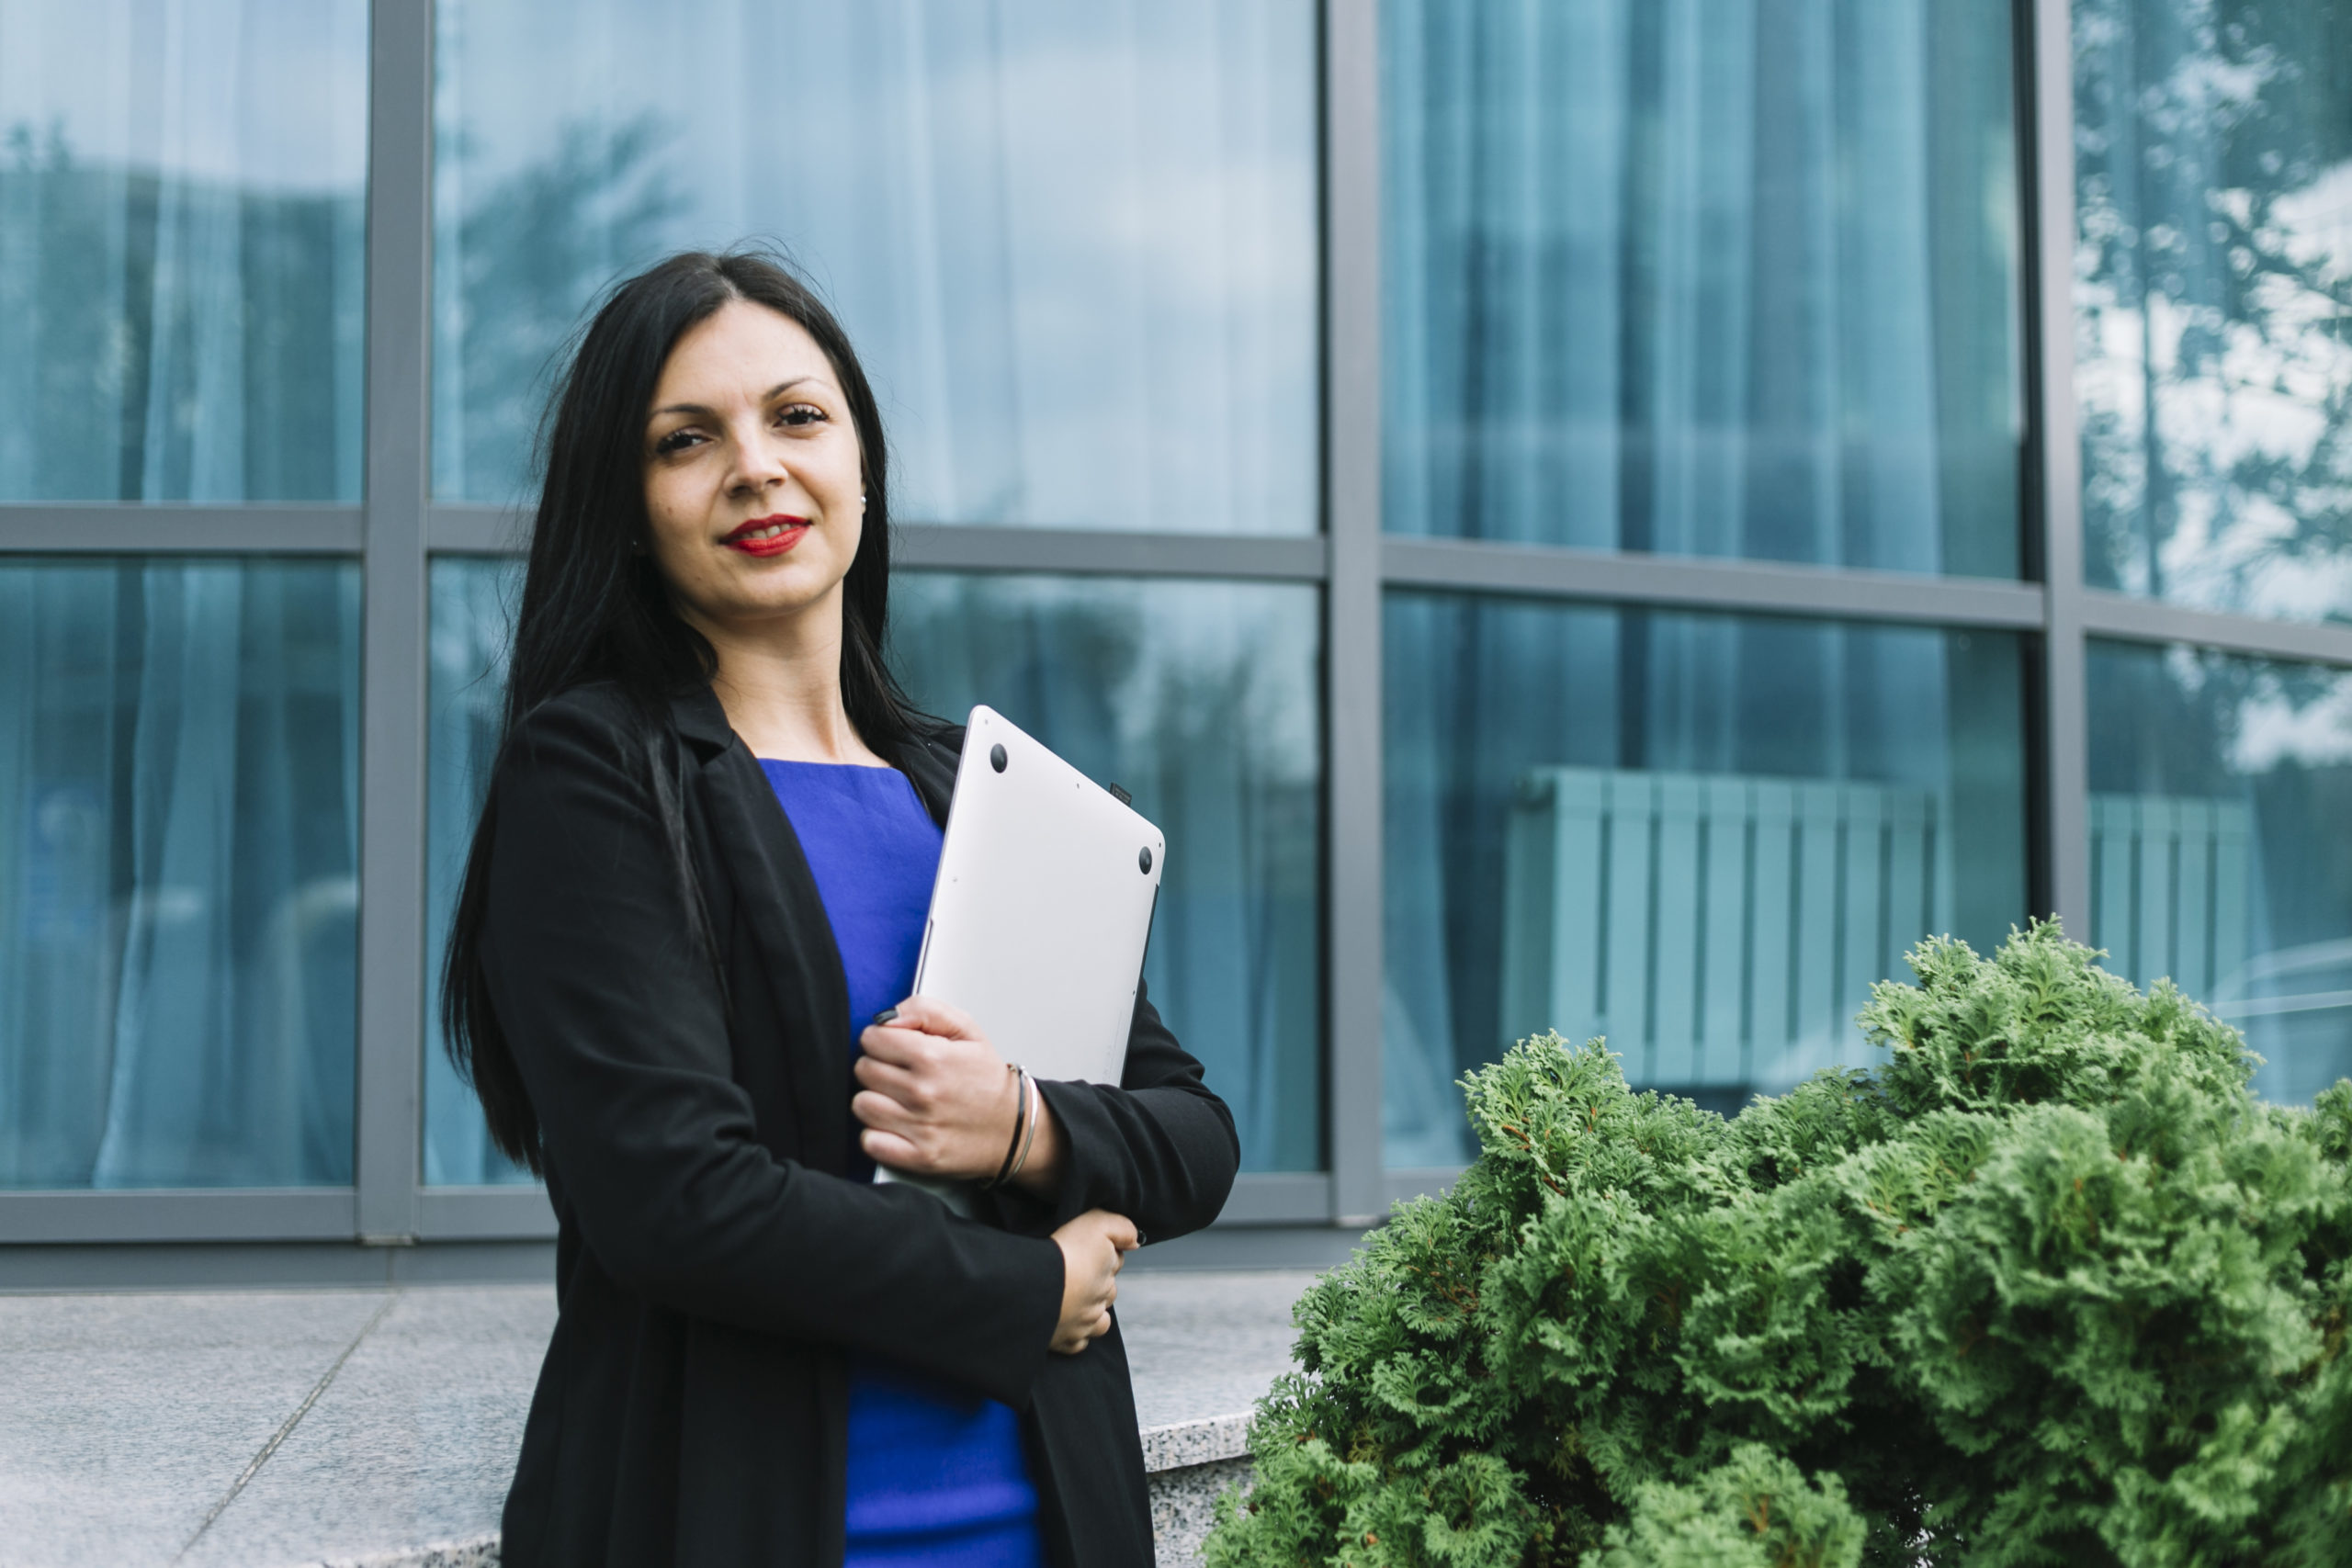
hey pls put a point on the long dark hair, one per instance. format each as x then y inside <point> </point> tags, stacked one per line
<point>594,609</point>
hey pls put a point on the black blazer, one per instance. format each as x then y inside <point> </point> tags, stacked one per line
<point>714,1264</point>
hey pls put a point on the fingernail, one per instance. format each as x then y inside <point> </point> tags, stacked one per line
<point>885,1016</point>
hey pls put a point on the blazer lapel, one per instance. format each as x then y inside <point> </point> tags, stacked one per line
<point>798,961</point>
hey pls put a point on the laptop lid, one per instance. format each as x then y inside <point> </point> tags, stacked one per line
<point>1043,906</point>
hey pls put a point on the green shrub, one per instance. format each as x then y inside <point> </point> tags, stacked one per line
<point>2050,1286</point>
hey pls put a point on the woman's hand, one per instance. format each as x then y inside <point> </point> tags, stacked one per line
<point>935,1100</point>
<point>1094,1245</point>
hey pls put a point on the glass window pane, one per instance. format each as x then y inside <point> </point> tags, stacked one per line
<point>473,627</point>
<point>1200,699</point>
<point>182,248</point>
<point>1721,280</point>
<point>179,883</point>
<point>2212,283</point>
<point>2220,788</point>
<point>1074,242</point>
<point>1700,836</point>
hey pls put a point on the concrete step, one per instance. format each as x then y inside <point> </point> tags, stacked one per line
<point>268,1429</point>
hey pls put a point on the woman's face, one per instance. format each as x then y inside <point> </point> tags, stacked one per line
<point>753,481</point>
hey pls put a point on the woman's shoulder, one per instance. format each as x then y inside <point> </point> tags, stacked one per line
<point>595,725</point>
<point>592,707</point>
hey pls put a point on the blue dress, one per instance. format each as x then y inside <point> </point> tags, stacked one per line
<point>936,1473</point>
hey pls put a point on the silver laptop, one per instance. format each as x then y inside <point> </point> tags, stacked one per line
<point>1042,908</point>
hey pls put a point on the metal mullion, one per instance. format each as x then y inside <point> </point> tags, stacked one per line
<point>2131,619</point>
<point>391,882</point>
<point>458,529</point>
<point>1405,1185</point>
<point>106,528</point>
<point>1352,243</point>
<point>1278,1197</point>
<point>485,1213</point>
<point>2065,781</point>
<point>177,1214</point>
<point>957,547</point>
<point>1632,577</point>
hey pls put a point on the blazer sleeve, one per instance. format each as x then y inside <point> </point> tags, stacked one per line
<point>616,1022</point>
<point>1160,1148</point>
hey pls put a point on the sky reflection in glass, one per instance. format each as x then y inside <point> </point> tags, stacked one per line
<point>2213,279</point>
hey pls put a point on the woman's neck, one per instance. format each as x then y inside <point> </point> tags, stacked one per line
<point>782,695</point>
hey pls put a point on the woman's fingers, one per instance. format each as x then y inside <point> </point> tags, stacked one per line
<point>909,1088</point>
<point>929,1015</point>
<point>888,1148</point>
<point>899,1047</point>
<point>884,1114</point>
<point>951,1098</point>
<point>927,1056</point>
<point>1091,1259</point>
<point>917,1027</point>
<point>892,1136</point>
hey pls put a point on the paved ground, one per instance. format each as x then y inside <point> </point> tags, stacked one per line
<point>233,1430</point>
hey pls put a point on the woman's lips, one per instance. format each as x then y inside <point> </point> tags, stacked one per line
<point>767,536</point>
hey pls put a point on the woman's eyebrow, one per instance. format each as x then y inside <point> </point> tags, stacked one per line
<point>769,395</point>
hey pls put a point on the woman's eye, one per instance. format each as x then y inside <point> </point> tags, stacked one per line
<point>800,413</point>
<point>676,441</point>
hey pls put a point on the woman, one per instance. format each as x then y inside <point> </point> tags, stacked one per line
<point>706,848</point>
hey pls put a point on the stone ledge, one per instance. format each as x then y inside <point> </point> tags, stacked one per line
<point>377,1429</point>
<point>1180,1444</point>
<point>1183,1506</point>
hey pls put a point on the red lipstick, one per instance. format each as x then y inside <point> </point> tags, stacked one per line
<point>767,536</point>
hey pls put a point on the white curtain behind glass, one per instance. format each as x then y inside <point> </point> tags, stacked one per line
<point>472,629</point>
<point>178,902</point>
<point>1074,242</point>
<point>181,249</point>
<point>1703,278</point>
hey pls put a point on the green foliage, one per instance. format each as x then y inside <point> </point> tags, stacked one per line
<point>1755,1509</point>
<point>2049,1286</point>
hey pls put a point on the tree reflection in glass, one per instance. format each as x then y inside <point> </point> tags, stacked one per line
<point>1074,242</point>
<point>183,249</point>
<point>2214,277</point>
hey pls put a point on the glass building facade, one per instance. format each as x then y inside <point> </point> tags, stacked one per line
<point>1617,517</point>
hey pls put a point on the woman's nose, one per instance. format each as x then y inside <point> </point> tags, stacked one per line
<point>757,467</point>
